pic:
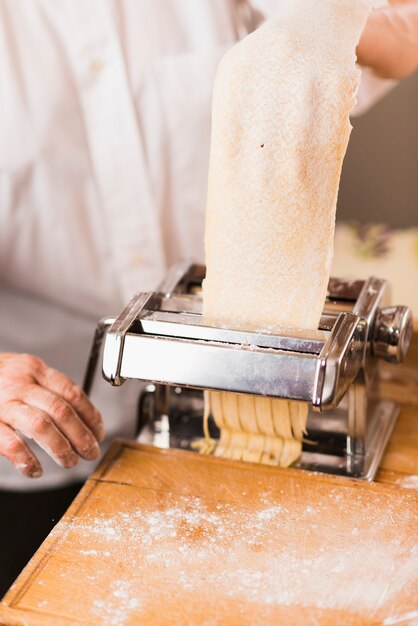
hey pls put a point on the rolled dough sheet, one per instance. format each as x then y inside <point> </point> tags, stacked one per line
<point>280,129</point>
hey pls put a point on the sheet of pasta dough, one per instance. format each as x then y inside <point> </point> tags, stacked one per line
<point>280,129</point>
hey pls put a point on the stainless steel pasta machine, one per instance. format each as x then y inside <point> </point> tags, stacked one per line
<point>160,338</point>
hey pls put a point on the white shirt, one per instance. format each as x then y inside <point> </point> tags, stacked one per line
<point>104,144</point>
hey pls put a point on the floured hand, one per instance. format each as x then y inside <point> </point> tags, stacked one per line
<point>44,405</point>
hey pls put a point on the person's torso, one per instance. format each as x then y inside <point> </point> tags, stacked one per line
<point>104,141</point>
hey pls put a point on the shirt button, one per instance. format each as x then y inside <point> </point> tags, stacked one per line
<point>96,66</point>
<point>137,259</point>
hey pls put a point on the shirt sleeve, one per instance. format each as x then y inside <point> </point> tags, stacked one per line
<point>371,90</point>
<point>267,8</point>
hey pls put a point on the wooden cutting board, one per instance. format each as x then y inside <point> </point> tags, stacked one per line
<point>167,537</point>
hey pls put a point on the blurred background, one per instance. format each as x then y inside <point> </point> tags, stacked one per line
<point>380,173</point>
<point>377,214</point>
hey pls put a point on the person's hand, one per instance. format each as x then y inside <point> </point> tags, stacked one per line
<point>389,43</point>
<point>44,405</point>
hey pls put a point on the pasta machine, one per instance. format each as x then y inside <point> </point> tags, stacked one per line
<point>160,338</point>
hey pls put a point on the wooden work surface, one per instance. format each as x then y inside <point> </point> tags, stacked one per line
<point>170,537</point>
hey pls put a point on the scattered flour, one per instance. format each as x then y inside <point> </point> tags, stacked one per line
<point>183,547</point>
<point>408,482</point>
<point>408,619</point>
<point>118,605</point>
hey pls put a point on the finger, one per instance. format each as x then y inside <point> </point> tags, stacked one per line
<point>18,452</point>
<point>65,419</point>
<point>38,425</point>
<point>61,385</point>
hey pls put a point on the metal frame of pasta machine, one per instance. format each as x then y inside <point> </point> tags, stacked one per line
<point>160,338</point>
